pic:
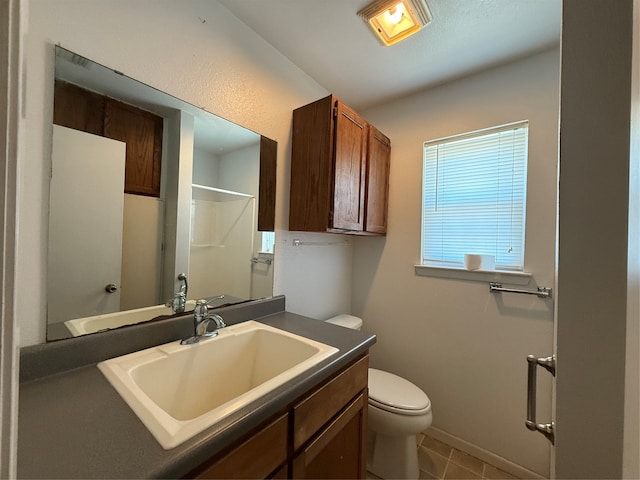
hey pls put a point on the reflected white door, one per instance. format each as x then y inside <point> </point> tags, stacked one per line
<point>85,224</point>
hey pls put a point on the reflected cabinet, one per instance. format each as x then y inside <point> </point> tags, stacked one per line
<point>141,131</point>
<point>339,171</point>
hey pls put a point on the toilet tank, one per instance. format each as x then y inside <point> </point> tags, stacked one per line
<point>346,320</point>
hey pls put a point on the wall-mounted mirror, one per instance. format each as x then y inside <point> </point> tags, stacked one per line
<point>150,197</point>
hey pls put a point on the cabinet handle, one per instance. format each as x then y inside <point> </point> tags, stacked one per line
<point>111,288</point>
<point>549,364</point>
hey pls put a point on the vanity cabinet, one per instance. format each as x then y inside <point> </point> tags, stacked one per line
<point>339,171</point>
<point>257,457</point>
<point>329,427</point>
<point>320,435</point>
<point>336,452</point>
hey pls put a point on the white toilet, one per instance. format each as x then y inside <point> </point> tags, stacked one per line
<point>398,410</point>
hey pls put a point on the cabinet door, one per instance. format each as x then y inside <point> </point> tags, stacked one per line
<point>377,182</point>
<point>338,450</point>
<point>350,157</point>
<point>267,188</point>
<point>142,132</point>
<point>322,405</point>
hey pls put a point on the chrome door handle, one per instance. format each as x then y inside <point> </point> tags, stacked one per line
<point>111,288</point>
<point>549,364</point>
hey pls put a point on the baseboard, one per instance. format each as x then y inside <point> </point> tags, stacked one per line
<point>484,455</point>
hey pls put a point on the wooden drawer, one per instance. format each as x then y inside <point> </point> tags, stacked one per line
<point>321,406</point>
<point>258,457</point>
<point>338,450</point>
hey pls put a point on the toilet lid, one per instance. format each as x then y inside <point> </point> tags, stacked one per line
<point>345,320</point>
<point>396,394</point>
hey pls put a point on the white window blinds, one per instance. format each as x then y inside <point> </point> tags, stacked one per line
<point>474,196</point>
<point>268,242</point>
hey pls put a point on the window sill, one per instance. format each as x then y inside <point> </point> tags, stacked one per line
<point>460,273</point>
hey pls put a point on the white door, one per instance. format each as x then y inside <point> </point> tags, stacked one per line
<point>592,269</point>
<point>85,225</point>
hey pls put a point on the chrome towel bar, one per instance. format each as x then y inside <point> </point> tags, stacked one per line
<point>259,259</point>
<point>296,242</point>
<point>542,292</point>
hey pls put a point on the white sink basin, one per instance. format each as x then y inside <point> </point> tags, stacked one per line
<point>180,390</point>
<point>84,325</point>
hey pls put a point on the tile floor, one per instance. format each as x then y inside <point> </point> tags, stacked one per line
<point>441,461</point>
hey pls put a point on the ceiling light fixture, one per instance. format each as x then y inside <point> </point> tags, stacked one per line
<point>395,20</point>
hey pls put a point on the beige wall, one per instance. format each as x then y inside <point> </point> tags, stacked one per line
<point>463,345</point>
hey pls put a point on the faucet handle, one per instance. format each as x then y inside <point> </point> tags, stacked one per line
<point>202,305</point>
<point>213,299</point>
<point>177,303</point>
<point>201,309</point>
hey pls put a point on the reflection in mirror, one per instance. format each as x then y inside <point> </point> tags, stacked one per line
<point>146,188</point>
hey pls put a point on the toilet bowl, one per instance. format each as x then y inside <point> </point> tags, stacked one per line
<point>398,410</point>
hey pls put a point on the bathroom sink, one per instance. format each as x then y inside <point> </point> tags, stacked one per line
<point>180,390</point>
<point>97,323</point>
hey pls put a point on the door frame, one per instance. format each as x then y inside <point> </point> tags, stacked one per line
<point>591,282</point>
<point>12,18</point>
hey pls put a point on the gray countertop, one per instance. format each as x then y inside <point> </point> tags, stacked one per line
<point>73,423</point>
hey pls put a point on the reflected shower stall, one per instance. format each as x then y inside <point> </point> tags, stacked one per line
<point>222,239</point>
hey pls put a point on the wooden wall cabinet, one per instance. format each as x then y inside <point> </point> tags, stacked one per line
<point>267,186</point>
<point>339,171</point>
<point>90,112</point>
<point>321,435</point>
<point>142,132</point>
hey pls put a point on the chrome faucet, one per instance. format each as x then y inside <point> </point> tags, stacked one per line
<point>202,321</point>
<point>179,300</point>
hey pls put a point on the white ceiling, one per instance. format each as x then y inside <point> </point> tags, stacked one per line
<point>328,41</point>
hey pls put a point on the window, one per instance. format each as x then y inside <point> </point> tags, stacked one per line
<point>474,196</point>
<point>268,242</point>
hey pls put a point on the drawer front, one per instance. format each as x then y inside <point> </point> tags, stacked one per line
<point>338,450</point>
<point>258,457</point>
<point>318,408</point>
